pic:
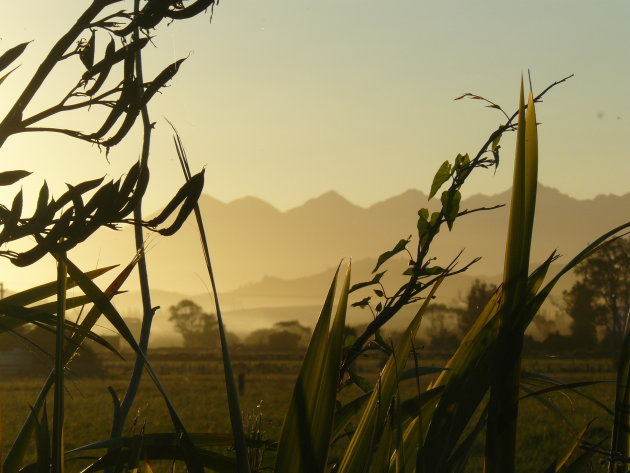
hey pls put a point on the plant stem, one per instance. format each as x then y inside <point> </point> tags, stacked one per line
<point>58,414</point>
<point>236,417</point>
<point>120,414</point>
<point>12,121</point>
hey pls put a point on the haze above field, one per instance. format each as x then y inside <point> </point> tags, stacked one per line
<point>264,257</point>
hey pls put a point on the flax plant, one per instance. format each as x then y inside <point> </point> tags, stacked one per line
<point>432,432</point>
<point>503,407</point>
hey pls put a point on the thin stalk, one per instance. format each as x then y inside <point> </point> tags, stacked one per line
<point>121,412</point>
<point>58,414</point>
<point>236,418</point>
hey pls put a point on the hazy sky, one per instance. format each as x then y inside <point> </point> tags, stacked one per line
<point>285,100</point>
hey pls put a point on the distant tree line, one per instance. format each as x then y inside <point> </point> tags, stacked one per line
<point>598,304</point>
<point>199,329</point>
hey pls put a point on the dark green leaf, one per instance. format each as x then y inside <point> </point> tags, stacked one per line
<point>450,204</point>
<point>375,280</point>
<point>443,174</point>
<point>362,303</point>
<point>462,160</point>
<point>432,270</point>
<point>400,246</point>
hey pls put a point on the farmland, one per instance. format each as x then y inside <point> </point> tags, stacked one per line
<point>195,383</point>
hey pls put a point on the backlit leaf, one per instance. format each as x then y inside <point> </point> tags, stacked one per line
<point>441,176</point>
<point>400,246</point>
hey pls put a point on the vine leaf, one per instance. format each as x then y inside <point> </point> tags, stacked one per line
<point>450,204</point>
<point>362,303</point>
<point>442,175</point>
<point>375,280</point>
<point>400,246</point>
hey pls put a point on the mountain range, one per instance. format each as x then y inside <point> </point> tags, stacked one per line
<point>266,258</point>
<point>250,239</point>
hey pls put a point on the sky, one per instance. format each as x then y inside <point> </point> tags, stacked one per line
<point>286,100</point>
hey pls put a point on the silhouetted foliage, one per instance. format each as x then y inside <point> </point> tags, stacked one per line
<point>586,315</point>
<point>285,336</point>
<point>600,298</point>
<point>197,327</point>
<point>477,298</point>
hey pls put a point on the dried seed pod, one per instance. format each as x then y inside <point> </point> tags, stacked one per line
<point>126,96</point>
<point>45,244</point>
<point>140,188</point>
<point>187,196</point>
<point>161,80</point>
<point>11,55</point>
<point>109,61</point>
<point>81,188</point>
<point>86,54</point>
<point>100,80</point>
<point>198,7</point>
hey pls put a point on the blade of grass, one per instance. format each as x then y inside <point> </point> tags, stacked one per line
<point>17,451</point>
<point>39,293</point>
<point>236,418</point>
<point>308,425</point>
<point>620,442</point>
<point>58,411</point>
<point>103,302</point>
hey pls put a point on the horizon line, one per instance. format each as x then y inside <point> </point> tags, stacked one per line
<point>423,193</point>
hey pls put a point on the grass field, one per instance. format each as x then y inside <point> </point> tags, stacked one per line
<point>196,386</point>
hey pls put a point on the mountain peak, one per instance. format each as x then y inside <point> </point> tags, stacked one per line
<point>330,198</point>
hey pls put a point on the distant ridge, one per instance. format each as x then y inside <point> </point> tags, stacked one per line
<point>250,239</point>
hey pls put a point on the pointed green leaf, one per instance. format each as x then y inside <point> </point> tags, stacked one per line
<point>400,246</point>
<point>375,280</point>
<point>443,174</point>
<point>307,427</point>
